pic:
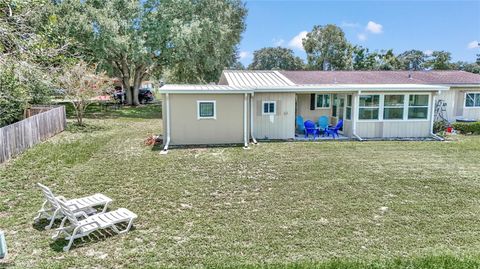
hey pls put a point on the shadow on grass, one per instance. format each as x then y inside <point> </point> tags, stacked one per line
<point>92,238</point>
<point>42,223</point>
<point>85,128</point>
<point>159,146</point>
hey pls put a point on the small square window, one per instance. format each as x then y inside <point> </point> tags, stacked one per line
<point>269,108</point>
<point>206,109</point>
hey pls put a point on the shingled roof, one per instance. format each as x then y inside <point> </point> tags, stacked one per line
<point>382,77</point>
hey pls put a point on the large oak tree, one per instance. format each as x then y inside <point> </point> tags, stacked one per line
<point>135,39</point>
<point>276,58</point>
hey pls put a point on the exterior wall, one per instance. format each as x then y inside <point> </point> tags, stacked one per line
<point>449,97</point>
<point>347,128</point>
<point>455,99</point>
<point>466,112</point>
<point>386,129</point>
<point>278,126</point>
<point>393,128</point>
<point>303,109</point>
<point>186,129</point>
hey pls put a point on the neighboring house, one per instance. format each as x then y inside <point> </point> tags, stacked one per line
<point>249,105</point>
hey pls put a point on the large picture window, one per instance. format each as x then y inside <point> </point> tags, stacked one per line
<point>206,109</point>
<point>369,107</point>
<point>393,107</point>
<point>322,101</point>
<point>472,100</point>
<point>418,106</point>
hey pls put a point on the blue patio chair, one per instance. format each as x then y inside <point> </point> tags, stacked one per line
<point>310,128</point>
<point>300,124</point>
<point>334,130</point>
<point>323,124</point>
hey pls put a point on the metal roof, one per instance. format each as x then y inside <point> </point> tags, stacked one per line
<point>254,78</point>
<point>207,88</point>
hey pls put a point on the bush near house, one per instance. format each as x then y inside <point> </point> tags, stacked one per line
<point>467,127</point>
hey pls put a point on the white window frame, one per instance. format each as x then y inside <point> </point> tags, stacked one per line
<point>380,107</point>
<point>214,110</point>
<point>405,107</point>
<point>348,106</point>
<point>274,107</point>
<point>329,103</point>
<point>428,106</point>
<point>465,103</point>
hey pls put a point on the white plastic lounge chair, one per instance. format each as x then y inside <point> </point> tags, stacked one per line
<point>51,210</point>
<point>3,246</point>
<point>81,228</point>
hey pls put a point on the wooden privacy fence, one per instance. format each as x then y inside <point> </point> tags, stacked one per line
<point>16,138</point>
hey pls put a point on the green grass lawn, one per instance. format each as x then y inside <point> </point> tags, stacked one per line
<point>295,204</point>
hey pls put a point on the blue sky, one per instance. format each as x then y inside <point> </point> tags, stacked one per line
<point>401,25</point>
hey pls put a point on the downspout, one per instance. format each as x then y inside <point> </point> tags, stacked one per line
<point>245,124</point>
<point>432,117</point>
<point>167,114</point>
<point>355,117</point>
<point>251,119</point>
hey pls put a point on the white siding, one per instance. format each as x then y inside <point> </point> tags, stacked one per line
<point>466,112</point>
<point>449,98</point>
<point>388,129</point>
<point>303,109</point>
<point>278,126</point>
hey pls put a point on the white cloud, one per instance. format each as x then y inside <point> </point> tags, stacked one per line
<point>474,44</point>
<point>350,24</point>
<point>428,52</point>
<point>244,54</point>
<point>296,41</point>
<point>278,42</point>
<point>374,28</point>
<point>362,37</point>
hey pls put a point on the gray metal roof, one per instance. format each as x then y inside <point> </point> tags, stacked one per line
<point>251,78</point>
<point>204,88</point>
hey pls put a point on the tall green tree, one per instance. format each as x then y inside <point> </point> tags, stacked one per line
<point>327,48</point>
<point>363,59</point>
<point>135,39</point>
<point>388,61</point>
<point>28,58</point>
<point>412,60</point>
<point>440,60</point>
<point>200,37</point>
<point>275,58</point>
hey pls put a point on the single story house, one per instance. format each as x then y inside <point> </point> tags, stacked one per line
<point>249,105</point>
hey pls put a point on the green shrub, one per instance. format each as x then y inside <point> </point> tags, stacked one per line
<point>13,97</point>
<point>467,127</point>
<point>439,126</point>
